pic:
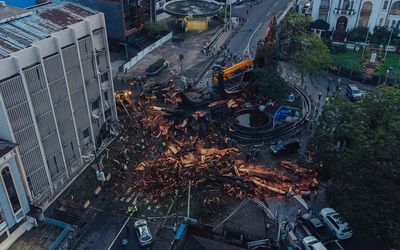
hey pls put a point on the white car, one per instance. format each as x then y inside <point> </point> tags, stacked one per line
<point>336,223</point>
<point>311,243</point>
<point>143,233</point>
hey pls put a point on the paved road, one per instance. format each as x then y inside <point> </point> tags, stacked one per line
<point>257,21</point>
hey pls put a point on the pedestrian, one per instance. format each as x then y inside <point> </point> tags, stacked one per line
<point>337,88</point>
<point>328,90</point>
<point>315,194</point>
<point>247,11</point>
<point>319,96</point>
<point>298,212</point>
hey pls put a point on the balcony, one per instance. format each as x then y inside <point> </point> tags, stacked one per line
<point>344,12</point>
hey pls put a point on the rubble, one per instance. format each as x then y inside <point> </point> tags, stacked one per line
<point>180,145</point>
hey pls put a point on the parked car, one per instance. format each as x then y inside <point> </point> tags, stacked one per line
<point>316,227</point>
<point>311,243</point>
<point>334,245</point>
<point>336,223</point>
<point>286,146</point>
<point>143,233</point>
<point>354,93</point>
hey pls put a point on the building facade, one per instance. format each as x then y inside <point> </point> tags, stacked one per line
<point>14,204</point>
<point>124,18</point>
<point>56,93</point>
<point>344,15</point>
<point>20,3</point>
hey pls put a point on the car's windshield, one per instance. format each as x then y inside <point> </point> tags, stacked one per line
<point>346,230</point>
<point>145,237</point>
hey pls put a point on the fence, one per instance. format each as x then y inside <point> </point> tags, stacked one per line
<point>362,77</point>
<point>62,235</point>
<point>146,51</point>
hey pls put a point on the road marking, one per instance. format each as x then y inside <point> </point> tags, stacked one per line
<point>122,228</point>
<point>248,43</point>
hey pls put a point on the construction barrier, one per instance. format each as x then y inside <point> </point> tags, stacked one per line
<point>128,65</point>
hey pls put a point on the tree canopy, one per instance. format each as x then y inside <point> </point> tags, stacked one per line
<point>359,145</point>
<point>268,83</point>
<point>300,45</point>
<point>314,55</point>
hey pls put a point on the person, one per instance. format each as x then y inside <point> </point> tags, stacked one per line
<point>328,90</point>
<point>132,210</point>
<point>299,212</point>
<point>319,96</point>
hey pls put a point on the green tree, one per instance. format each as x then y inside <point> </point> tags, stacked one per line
<point>313,55</point>
<point>359,144</point>
<point>157,29</point>
<point>293,28</point>
<point>267,83</point>
<point>380,35</point>
<point>358,34</point>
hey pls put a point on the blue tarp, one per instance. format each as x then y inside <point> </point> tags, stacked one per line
<point>283,112</point>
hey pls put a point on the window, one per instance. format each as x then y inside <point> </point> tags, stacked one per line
<point>385,5</point>
<point>95,105</point>
<point>72,149</point>
<point>333,222</point>
<point>104,77</point>
<point>10,188</point>
<point>86,133</point>
<point>55,163</point>
<point>106,95</point>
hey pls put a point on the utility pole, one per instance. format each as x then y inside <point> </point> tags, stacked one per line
<point>390,39</point>
<point>365,44</point>
<point>188,202</point>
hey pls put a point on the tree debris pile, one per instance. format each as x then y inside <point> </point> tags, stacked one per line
<point>179,145</point>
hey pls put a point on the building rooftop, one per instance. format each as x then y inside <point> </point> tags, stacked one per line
<point>20,28</point>
<point>5,147</point>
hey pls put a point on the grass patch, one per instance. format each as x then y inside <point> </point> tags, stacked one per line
<point>349,59</point>
<point>392,63</point>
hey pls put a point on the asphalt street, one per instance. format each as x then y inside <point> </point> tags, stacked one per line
<point>257,18</point>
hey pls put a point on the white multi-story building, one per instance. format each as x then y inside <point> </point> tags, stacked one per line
<point>56,91</point>
<point>344,15</point>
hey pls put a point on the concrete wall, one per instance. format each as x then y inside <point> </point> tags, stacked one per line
<point>147,50</point>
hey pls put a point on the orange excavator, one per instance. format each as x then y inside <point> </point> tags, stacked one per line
<point>232,70</point>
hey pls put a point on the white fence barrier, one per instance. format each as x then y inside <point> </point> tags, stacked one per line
<point>146,51</point>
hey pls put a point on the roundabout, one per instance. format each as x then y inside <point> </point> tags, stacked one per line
<point>194,15</point>
<point>192,9</point>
